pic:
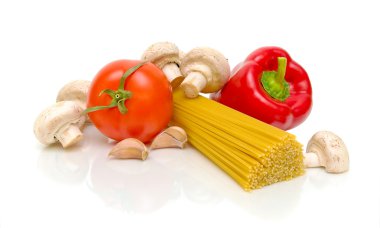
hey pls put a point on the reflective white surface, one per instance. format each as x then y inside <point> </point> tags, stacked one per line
<point>144,187</point>
<point>82,187</point>
<point>45,44</point>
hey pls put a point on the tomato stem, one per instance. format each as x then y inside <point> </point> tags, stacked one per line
<point>127,73</point>
<point>118,96</point>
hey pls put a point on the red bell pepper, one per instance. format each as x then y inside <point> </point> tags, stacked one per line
<point>271,87</point>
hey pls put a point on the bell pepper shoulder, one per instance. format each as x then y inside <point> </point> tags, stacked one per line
<point>271,87</point>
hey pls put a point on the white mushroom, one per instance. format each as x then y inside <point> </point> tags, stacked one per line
<point>60,122</point>
<point>166,56</point>
<point>206,70</point>
<point>328,150</point>
<point>75,91</point>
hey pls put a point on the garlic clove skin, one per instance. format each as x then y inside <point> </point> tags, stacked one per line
<point>172,137</point>
<point>130,148</point>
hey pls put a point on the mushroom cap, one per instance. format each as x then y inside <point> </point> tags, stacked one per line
<point>331,151</point>
<point>211,63</point>
<point>181,54</point>
<point>162,53</point>
<point>57,117</point>
<point>74,91</point>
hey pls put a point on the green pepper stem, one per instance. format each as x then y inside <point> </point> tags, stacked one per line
<point>281,68</point>
<point>274,82</point>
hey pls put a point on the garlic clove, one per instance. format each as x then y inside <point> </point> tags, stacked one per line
<point>172,137</point>
<point>130,148</point>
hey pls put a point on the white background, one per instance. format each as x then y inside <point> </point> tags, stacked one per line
<point>45,44</point>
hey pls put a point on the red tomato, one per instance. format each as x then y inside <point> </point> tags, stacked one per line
<point>149,108</point>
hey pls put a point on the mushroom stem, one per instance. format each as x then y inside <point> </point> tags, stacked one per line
<point>173,74</point>
<point>69,136</point>
<point>311,160</point>
<point>194,84</point>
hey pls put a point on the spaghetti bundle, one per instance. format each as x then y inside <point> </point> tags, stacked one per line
<point>253,153</point>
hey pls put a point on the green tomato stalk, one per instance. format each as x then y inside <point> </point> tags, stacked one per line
<point>118,96</point>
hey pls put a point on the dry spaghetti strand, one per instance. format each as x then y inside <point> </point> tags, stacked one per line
<point>253,153</point>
